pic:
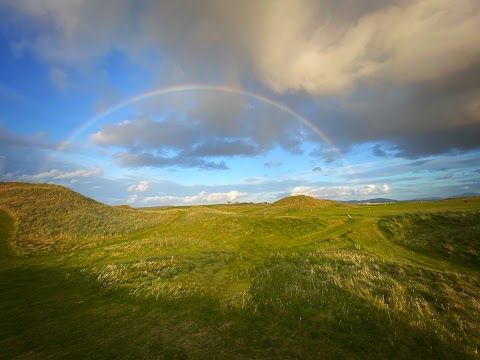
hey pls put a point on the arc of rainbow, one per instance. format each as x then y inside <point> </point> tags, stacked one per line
<point>198,87</point>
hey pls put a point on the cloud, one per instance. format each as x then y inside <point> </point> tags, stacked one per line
<point>404,73</point>
<point>132,198</point>
<point>142,186</point>
<point>327,155</point>
<point>317,169</point>
<point>447,176</point>
<point>190,138</point>
<point>399,42</point>
<point>10,139</point>
<point>341,191</point>
<point>59,78</point>
<point>379,151</point>
<point>401,168</point>
<point>319,47</point>
<point>273,163</point>
<point>256,180</point>
<point>141,159</point>
<point>201,198</point>
<point>56,174</point>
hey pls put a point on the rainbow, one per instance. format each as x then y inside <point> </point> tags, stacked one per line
<point>193,88</point>
<point>190,88</point>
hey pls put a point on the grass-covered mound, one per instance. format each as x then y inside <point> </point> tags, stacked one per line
<point>125,206</point>
<point>51,218</point>
<point>454,236</point>
<point>240,282</point>
<point>304,202</point>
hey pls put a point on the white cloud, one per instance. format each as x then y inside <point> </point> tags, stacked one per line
<point>341,191</point>
<point>132,198</point>
<point>56,174</point>
<point>142,186</point>
<point>79,173</point>
<point>201,198</point>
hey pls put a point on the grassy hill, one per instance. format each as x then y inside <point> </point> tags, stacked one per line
<point>53,218</point>
<point>303,203</point>
<point>238,282</point>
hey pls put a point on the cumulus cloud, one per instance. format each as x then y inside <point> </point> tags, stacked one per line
<point>142,186</point>
<point>341,191</point>
<point>200,198</point>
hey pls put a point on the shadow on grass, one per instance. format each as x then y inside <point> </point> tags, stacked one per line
<point>55,314</point>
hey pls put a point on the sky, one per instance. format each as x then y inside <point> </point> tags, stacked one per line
<point>192,102</point>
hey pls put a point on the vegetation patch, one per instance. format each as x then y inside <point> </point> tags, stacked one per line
<point>237,282</point>
<point>454,236</point>
<point>51,218</point>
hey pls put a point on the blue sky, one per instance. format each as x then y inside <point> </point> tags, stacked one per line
<point>334,99</point>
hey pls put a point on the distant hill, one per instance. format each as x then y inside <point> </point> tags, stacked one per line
<point>304,202</point>
<point>371,201</point>
<point>53,218</point>
<point>467,194</point>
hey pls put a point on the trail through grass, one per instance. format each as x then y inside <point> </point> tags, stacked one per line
<point>248,282</point>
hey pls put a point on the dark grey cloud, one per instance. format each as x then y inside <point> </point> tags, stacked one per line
<point>379,151</point>
<point>411,121</point>
<point>225,147</point>
<point>203,134</point>
<point>317,169</point>
<point>152,160</point>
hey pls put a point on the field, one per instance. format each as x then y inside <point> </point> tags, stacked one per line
<point>298,279</point>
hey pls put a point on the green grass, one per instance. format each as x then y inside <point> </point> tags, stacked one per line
<point>297,280</point>
<point>51,218</point>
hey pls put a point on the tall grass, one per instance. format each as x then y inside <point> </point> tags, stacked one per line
<point>51,218</point>
<point>454,236</point>
<point>224,282</point>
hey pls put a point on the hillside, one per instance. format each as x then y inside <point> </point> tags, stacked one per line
<point>399,280</point>
<point>304,202</point>
<point>51,218</point>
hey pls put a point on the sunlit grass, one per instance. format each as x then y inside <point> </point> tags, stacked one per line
<point>244,282</point>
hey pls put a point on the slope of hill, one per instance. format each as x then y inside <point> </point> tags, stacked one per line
<point>225,283</point>
<point>51,218</point>
<point>304,202</point>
